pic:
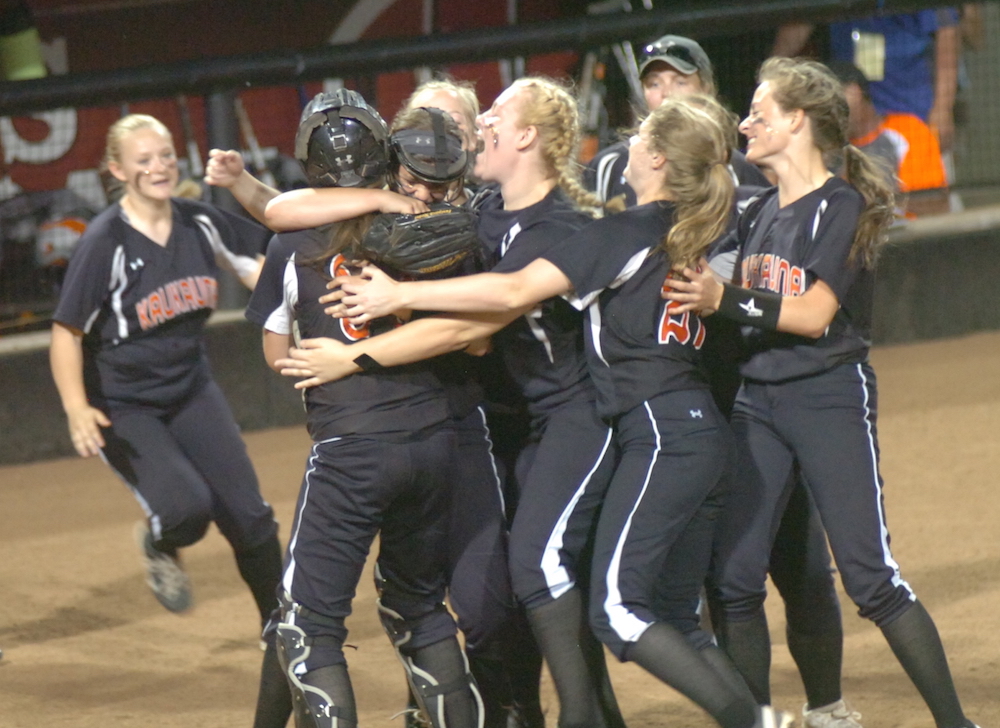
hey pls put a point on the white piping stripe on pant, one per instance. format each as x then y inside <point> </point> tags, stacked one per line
<point>493,462</point>
<point>897,579</point>
<point>155,527</point>
<point>625,624</point>
<point>286,579</point>
<point>556,577</point>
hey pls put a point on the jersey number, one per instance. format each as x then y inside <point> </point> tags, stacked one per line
<point>679,327</point>
<point>338,267</point>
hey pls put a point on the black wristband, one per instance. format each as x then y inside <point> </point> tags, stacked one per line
<point>751,306</point>
<point>368,364</point>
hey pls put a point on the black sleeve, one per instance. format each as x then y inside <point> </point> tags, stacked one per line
<point>833,239</point>
<point>598,256</point>
<point>88,277</point>
<point>268,307</point>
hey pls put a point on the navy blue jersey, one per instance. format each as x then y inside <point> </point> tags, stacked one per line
<point>395,403</point>
<point>142,306</point>
<point>543,350</point>
<point>604,174</point>
<point>637,348</point>
<point>786,250</point>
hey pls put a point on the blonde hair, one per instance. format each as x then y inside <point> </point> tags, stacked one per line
<point>464,91</point>
<point>114,188</point>
<point>696,150</point>
<point>797,83</point>
<point>728,121</point>
<point>127,125</point>
<point>552,110</point>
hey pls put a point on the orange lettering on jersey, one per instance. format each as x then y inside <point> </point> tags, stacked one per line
<point>200,291</point>
<point>156,307</point>
<point>773,273</point>
<point>174,298</point>
<point>142,311</point>
<point>338,267</point>
<point>168,305</point>
<point>186,288</point>
<point>213,292</point>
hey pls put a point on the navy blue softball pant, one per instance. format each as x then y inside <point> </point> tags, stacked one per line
<point>562,474</point>
<point>676,450</point>
<point>355,488</point>
<point>826,425</point>
<point>188,466</point>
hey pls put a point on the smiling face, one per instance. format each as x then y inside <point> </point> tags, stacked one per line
<point>147,164</point>
<point>767,128</point>
<point>498,127</point>
<point>662,81</point>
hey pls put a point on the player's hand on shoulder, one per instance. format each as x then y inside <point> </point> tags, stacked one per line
<point>85,425</point>
<point>693,289</point>
<point>224,167</point>
<point>317,361</point>
<point>390,201</point>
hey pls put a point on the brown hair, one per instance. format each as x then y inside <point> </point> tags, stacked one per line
<point>696,148</point>
<point>552,110</point>
<point>808,85</point>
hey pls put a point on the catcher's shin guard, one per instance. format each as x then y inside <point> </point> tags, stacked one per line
<point>321,698</point>
<point>438,675</point>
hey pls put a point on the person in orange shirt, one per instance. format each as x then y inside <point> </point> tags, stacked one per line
<point>902,142</point>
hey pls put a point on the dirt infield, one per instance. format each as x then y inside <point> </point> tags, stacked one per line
<point>86,645</point>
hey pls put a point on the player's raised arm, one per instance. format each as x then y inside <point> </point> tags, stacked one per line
<point>226,169</point>
<point>313,207</point>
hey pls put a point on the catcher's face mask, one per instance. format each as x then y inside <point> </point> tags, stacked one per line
<point>342,146</point>
<point>432,156</point>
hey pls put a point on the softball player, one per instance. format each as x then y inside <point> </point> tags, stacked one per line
<point>668,67</point>
<point>127,358</point>
<point>674,66</point>
<point>563,470</point>
<point>675,444</point>
<point>381,463</point>
<point>808,399</point>
<point>478,585</point>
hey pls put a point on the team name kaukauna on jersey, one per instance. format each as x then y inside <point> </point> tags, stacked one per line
<point>770,271</point>
<point>175,298</point>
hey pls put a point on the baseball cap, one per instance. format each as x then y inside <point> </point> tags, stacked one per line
<point>682,53</point>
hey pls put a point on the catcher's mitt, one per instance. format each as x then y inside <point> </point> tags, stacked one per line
<point>427,244</point>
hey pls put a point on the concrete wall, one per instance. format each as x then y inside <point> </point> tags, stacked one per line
<point>33,427</point>
<point>938,278</point>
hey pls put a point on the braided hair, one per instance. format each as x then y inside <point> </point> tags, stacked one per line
<point>552,110</point>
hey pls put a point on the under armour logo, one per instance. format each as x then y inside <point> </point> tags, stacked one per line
<point>751,308</point>
<point>136,264</point>
<point>696,414</point>
<point>345,161</point>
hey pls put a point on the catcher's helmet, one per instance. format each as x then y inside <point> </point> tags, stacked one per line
<point>432,155</point>
<point>341,141</point>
